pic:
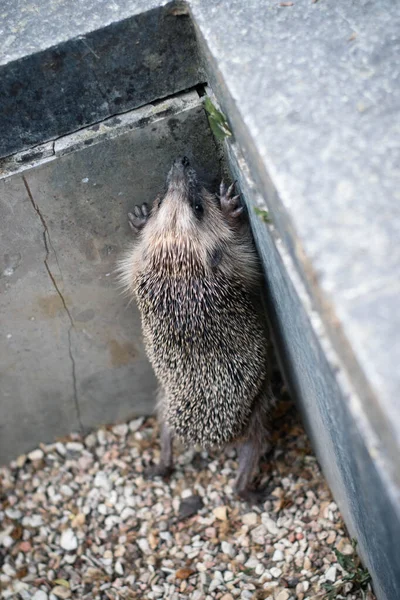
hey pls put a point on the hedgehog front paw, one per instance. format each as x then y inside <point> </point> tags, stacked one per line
<point>230,205</point>
<point>138,219</point>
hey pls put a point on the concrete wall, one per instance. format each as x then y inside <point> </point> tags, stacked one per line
<point>71,354</point>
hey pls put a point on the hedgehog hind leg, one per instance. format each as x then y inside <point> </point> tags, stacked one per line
<point>253,448</point>
<point>165,466</point>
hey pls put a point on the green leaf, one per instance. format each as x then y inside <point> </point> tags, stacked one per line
<point>263,214</point>
<point>218,123</point>
<point>346,562</point>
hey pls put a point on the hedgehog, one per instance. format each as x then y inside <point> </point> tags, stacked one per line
<point>195,274</point>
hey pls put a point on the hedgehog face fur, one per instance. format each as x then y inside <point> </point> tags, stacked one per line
<point>195,275</point>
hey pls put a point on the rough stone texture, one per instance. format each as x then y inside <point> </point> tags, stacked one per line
<point>89,75</point>
<point>82,363</point>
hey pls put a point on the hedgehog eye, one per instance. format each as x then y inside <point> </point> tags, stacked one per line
<point>198,209</point>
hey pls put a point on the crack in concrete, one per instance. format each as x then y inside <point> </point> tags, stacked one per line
<point>47,245</point>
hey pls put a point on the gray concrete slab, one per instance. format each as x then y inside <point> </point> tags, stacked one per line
<point>36,391</point>
<point>85,337</point>
<point>68,65</point>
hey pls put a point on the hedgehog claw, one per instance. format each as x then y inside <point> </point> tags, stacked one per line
<point>138,219</point>
<point>230,205</point>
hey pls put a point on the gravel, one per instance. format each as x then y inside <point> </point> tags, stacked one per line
<point>79,520</point>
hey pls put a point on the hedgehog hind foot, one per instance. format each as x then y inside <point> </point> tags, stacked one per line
<point>253,496</point>
<point>166,464</point>
<point>160,470</point>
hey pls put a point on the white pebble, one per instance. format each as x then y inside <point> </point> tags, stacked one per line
<point>101,481</point>
<point>40,595</point>
<point>68,540</point>
<point>126,513</point>
<point>8,570</point>
<point>135,424</point>
<point>251,563</point>
<point>90,440</point>
<point>74,446</point>
<point>270,525</point>
<point>36,455</point>
<point>283,595</point>
<point>120,430</point>
<point>144,545</point>
<point>228,576</point>
<point>228,549</point>
<point>276,572</point>
<point>61,449</point>
<point>32,521</point>
<point>278,555</point>
<point>258,535</point>
<point>250,519</point>
<point>13,513</point>
<point>119,568</point>
<point>66,490</point>
<point>330,575</point>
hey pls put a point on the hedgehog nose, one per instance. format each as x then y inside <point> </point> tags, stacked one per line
<point>181,162</point>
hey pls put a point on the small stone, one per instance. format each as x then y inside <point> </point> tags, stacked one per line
<point>283,595</point>
<point>221,513</point>
<point>228,549</point>
<point>7,541</point>
<point>13,514</point>
<point>33,521</point>
<point>276,572</point>
<point>227,597</point>
<point>61,592</point>
<point>184,573</point>
<point>278,556</point>
<point>21,460</point>
<point>228,576</point>
<point>258,535</point>
<point>74,446</point>
<point>136,424</point>
<point>189,507</point>
<point>331,537</point>
<point>90,440</point>
<point>101,481</point>
<point>66,490</point>
<point>68,541</point>
<point>120,430</point>
<point>144,545</point>
<point>25,546</point>
<point>79,520</point>
<point>61,449</point>
<point>330,575</point>
<point>119,568</point>
<point>36,455</point>
<point>250,519</point>
<point>271,526</point>
<point>40,595</point>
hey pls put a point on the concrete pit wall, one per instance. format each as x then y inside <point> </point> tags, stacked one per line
<point>71,354</point>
